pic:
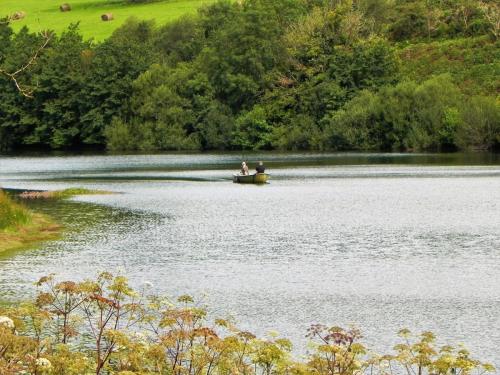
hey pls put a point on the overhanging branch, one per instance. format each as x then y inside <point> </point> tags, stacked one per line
<point>14,76</point>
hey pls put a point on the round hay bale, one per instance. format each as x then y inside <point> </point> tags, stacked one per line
<point>65,7</point>
<point>107,17</point>
<point>19,15</point>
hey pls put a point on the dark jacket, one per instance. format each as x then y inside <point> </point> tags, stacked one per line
<point>260,168</point>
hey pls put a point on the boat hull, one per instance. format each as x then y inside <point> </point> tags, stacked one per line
<point>258,178</point>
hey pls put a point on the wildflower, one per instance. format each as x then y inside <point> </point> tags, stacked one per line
<point>7,322</point>
<point>140,337</point>
<point>384,364</point>
<point>273,334</point>
<point>43,363</point>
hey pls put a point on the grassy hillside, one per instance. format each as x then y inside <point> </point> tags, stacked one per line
<point>473,62</point>
<point>43,14</point>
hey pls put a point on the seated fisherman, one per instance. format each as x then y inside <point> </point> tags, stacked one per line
<point>260,167</point>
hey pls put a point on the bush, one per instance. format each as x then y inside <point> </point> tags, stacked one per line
<point>302,134</point>
<point>480,124</point>
<point>252,131</point>
<point>408,116</point>
<point>357,126</point>
<point>119,136</point>
<point>409,21</point>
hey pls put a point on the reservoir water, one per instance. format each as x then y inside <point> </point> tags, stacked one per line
<point>381,241</point>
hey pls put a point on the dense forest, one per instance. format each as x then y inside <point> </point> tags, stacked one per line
<point>262,74</point>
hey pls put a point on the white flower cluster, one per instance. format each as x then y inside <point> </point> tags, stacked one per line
<point>148,285</point>
<point>43,363</point>
<point>7,322</point>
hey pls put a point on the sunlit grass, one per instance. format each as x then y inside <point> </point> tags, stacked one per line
<point>71,192</point>
<point>45,14</point>
<point>12,214</point>
<point>20,227</point>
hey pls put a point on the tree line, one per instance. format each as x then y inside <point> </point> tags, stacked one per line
<point>253,74</point>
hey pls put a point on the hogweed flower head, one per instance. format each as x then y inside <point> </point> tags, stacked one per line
<point>7,322</point>
<point>43,363</point>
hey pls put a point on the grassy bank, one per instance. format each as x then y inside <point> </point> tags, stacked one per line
<point>20,227</point>
<point>45,14</point>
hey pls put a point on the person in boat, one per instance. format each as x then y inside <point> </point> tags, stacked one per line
<point>244,169</point>
<point>260,167</point>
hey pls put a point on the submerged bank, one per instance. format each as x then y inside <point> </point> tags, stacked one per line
<point>61,194</point>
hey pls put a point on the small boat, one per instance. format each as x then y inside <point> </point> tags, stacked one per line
<point>257,178</point>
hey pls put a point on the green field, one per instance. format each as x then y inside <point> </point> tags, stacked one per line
<point>45,14</point>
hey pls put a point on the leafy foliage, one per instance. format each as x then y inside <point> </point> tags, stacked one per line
<point>261,74</point>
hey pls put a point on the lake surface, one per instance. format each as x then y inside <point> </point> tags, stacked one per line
<point>381,241</point>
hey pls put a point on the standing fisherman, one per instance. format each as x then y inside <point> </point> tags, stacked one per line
<point>244,169</point>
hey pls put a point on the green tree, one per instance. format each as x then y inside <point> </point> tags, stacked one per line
<point>252,130</point>
<point>240,55</point>
<point>17,112</point>
<point>112,68</point>
<point>58,98</point>
<point>407,116</point>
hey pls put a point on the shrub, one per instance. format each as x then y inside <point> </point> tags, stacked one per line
<point>408,116</point>
<point>480,123</point>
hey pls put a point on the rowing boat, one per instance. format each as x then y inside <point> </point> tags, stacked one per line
<point>257,178</point>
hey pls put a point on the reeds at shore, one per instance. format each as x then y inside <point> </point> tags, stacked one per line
<point>20,227</point>
<point>12,214</point>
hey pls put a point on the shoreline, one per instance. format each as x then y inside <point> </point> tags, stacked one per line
<point>40,229</point>
<point>34,227</point>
